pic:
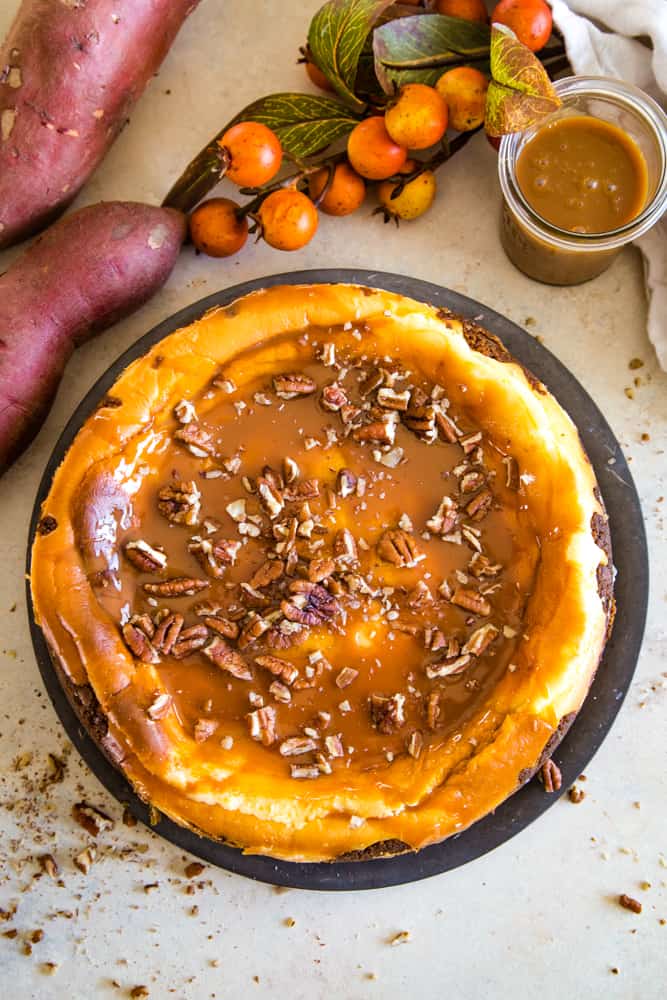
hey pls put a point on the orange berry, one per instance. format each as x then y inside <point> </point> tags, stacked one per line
<point>254,154</point>
<point>464,89</point>
<point>372,152</point>
<point>467,10</point>
<point>216,229</point>
<point>530,20</point>
<point>415,198</point>
<point>346,191</point>
<point>418,119</point>
<point>288,218</point>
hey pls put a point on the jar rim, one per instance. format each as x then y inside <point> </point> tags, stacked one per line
<point>634,100</point>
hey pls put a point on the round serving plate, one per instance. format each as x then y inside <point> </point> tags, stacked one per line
<point>609,687</point>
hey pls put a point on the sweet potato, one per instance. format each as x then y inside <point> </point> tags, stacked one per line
<point>70,71</point>
<point>90,269</point>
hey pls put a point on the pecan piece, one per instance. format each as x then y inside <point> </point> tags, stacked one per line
<point>310,604</point>
<point>293,384</point>
<point>270,497</point>
<point>379,431</point>
<point>480,640</point>
<point>472,601</point>
<point>390,399</point>
<point>304,771</point>
<point>444,520</point>
<point>254,627</point>
<point>262,725</point>
<point>223,626</point>
<point>145,557</point>
<point>196,439</point>
<point>167,632</point>
<point>145,623</point>
<point>433,709</point>
<point>420,419</point>
<point>92,819</point>
<point>306,489</point>
<point>345,547</point>
<point>480,566</point>
<point>447,429</point>
<point>480,505</point>
<point>629,903</point>
<point>204,729</point>
<point>189,641</point>
<point>297,745</point>
<point>139,644</point>
<point>550,776</point>
<point>399,548</point>
<point>267,573</point>
<point>470,441</point>
<point>180,503</point>
<point>449,666</point>
<point>159,707</point>
<point>415,744</point>
<point>345,677</point>
<point>176,586</point>
<point>333,397</point>
<point>334,745</point>
<point>224,656</point>
<point>420,596</point>
<point>285,635</point>
<point>280,692</point>
<point>320,569</point>
<point>512,477</point>
<point>282,669</point>
<point>471,481</point>
<point>387,712</point>
<point>214,556</point>
<point>346,483</point>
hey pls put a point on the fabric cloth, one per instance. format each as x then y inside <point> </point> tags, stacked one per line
<point>615,52</point>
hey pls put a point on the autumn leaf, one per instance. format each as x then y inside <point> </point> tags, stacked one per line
<point>304,123</point>
<point>520,93</point>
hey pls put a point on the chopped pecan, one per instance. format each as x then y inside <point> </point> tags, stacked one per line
<point>320,569</point>
<point>446,427</point>
<point>293,384</point>
<point>304,771</point>
<point>576,794</point>
<point>449,666</point>
<point>92,819</point>
<point>270,497</point>
<point>346,483</point>
<point>176,586</point>
<point>310,604</point>
<point>433,709</point>
<point>512,478</point>
<point>284,635</point>
<point>262,724</point>
<point>345,547</point>
<point>472,601</point>
<point>282,669</point>
<point>434,640</point>
<point>189,641</point>
<point>197,440</point>
<point>399,548</point>
<point>222,626</point>
<point>253,627</point>
<point>345,677</point>
<point>420,596</point>
<point>167,632</point>
<point>390,399</point>
<point>159,707</point>
<point>145,557</point>
<point>387,712</point>
<point>420,419</point>
<point>85,858</point>
<point>471,481</point>
<point>297,745</point>
<point>227,658</point>
<point>480,505</point>
<point>139,644</point>
<point>290,470</point>
<point>180,503</point>
<point>629,903</point>
<point>306,489</point>
<point>145,623</point>
<point>267,573</point>
<point>333,397</point>
<point>280,692</point>
<point>373,380</point>
<point>550,776</point>
<point>350,415</point>
<point>334,745</point>
<point>214,556</point>
<point>444,520</point>
<point>204,729</point>
<point>470,441</point>
<point>273,478</point>
<point>480,640</point>
<point>185,412</point>
<point>415,744</point>
<point>379,431</point>
<point>480,566</point>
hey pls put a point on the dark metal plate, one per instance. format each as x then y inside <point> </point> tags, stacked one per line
<point>610,685</point>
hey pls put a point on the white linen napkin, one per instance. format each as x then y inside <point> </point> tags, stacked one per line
<point>616,53</point>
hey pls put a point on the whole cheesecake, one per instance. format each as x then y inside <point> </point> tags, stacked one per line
<point>326,574</point>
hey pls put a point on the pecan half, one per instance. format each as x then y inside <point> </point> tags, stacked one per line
<point>320,569</point>
<point>189,641</point>
<point>550,776</point>
<point>471,601</point>
<point>282,669</point>
<point>145,623</point>
<point>224,656</point>
<point>197,440</point>
<point>310,604</point>
<point>145,557</point>
<point>167,632</point>
<point>180,503</point>
<point>333,397</point>
<point>254,627</point>
<point>267,573</point>
<point>222,626</point>
<point>399,548</point>
<point>176,586</point>
<point>139,644</point>
<point>294,384</point>
<point>387,712</point>
<point>262,725</point>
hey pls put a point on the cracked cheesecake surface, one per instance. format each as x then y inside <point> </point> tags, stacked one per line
<point>326,573</point>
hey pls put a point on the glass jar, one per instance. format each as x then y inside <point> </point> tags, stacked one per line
<point>558,257</point>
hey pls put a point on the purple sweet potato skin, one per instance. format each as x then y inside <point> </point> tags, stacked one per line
<point>70,72</point>
<point>86,272</point>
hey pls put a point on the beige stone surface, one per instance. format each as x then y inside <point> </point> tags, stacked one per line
<point>537,916</point>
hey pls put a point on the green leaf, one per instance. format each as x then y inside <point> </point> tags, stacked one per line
<point>520,93</point>
<point>304,123</point>
<point>433,42</point>
<point>336,38</point>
